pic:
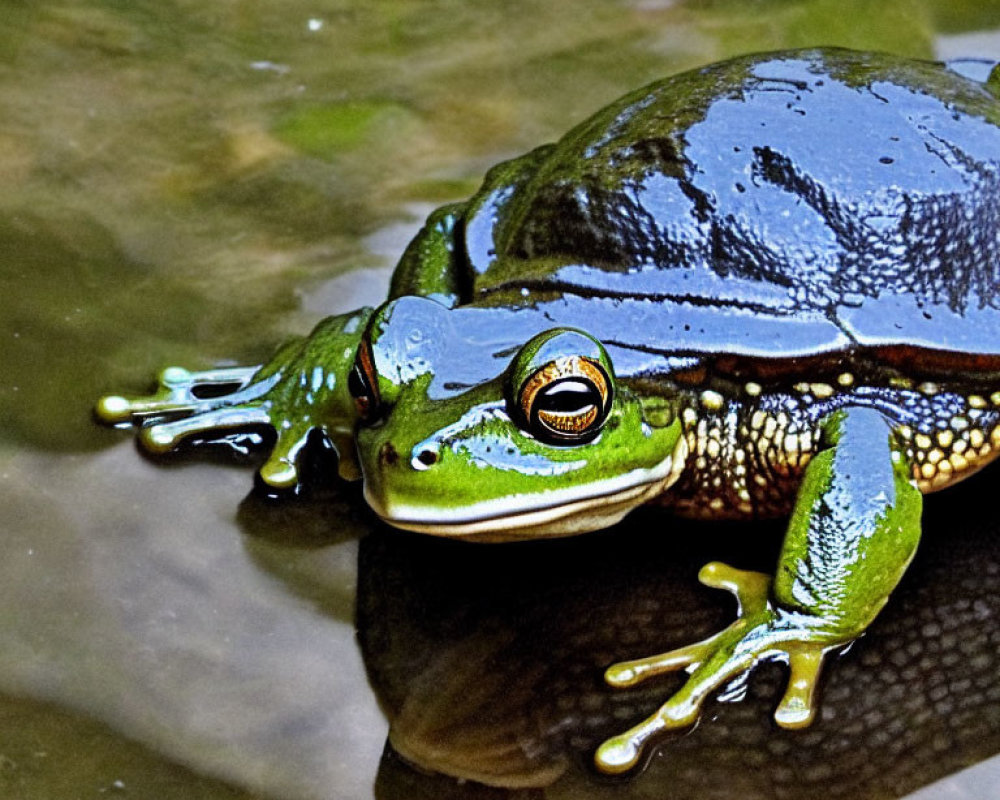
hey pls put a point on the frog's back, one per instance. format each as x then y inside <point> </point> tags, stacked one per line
<point>785,204</point>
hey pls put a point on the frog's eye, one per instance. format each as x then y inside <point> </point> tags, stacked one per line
<point>565,387</point>
<point>566,400</point>
<point>362,383</point>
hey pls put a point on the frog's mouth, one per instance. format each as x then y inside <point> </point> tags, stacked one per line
<point>558,512</point>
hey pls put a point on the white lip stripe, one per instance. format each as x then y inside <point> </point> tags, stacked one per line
<point>559,510</point>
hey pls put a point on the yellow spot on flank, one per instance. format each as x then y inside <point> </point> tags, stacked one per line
<point>928,388</point>
<point>801,388</point>
<point>716,504</point>
<point>945,438</point>
<point>928,471</point>
<point>821,390</point>
<point>901,383</point>
<point>976,438</point>
<point>958,462</point>
<point>923,441</point>
<point>995,436</point>
<point>845,379</point>
<point>690,416</point>
<point>945,466</point>
<point>752,389</point>
<point>976,401</point>
<point>934,456</point>
<point>995,398</point>
<point>713,448</point>
<point>940,480</point>
<point>713,401</point>
<point>757,420</point>
<point>906,432</point>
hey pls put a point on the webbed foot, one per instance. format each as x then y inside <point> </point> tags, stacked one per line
<point>761,631</point>
<point>301,393</point>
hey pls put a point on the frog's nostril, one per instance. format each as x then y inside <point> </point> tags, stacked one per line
<point>387,455</point>
<point>425,455</point>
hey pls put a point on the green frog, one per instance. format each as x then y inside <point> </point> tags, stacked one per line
<point>766,287</point>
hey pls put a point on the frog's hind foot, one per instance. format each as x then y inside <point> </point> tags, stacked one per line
<point>759,632</point>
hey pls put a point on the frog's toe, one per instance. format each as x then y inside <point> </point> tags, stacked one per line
<point>749,588</point>
<point>751,591</point>
<point>281,470</point>
<point>797,708</point>
<point>629,673</point>
<point>196,384</point>
<point>114,409</point>
<point>621,753</point>
<point>165,436</point>
<point>179,391</point>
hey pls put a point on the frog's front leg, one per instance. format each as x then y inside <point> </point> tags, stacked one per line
<point>300,393</point>
<point>852,533</point>
<point>303,391</point>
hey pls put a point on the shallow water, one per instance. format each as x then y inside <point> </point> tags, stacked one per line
<point>191,183</point>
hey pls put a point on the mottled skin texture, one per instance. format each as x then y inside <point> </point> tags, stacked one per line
<point>766,287</point>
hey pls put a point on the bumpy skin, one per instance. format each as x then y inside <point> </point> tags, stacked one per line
<point>773,284</point>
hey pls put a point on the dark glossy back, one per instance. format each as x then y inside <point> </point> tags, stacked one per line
<point>781,205</point>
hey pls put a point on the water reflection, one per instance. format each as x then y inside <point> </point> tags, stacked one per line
<point>488,664</point>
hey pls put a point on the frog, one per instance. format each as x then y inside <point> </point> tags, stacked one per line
<point>765,287</point>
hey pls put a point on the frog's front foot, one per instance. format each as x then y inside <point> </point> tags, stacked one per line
<point>761,632</point>
<point>188,403</point>
<point>301,393</point>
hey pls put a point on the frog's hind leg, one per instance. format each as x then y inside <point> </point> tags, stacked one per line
<point>852,533</point>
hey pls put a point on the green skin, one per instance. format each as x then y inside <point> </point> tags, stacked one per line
<point>852,533</point>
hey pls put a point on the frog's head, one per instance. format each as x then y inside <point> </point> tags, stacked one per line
<point>548,444</point>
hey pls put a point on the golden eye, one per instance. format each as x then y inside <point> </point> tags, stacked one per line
<point>566,400</point>
<point>362,383</point>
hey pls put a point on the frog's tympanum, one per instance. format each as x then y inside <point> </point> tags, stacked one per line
<point>770,286</point>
